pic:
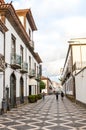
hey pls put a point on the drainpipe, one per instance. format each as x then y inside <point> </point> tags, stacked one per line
<point>26,74</point>
<point>4,101</point>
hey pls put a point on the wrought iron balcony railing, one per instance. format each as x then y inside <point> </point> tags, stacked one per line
<point>15,61</point>
<point>2,63</point>
<point>37,77</point>
<point>24,67</point>
<point>32,73</point>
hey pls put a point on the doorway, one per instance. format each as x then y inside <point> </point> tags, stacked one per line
<point>21,90</point>
<point>12,90</point>
<point>29,89</point>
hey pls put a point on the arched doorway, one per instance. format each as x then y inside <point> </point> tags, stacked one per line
<point>12,90</point>
<point>21,90</point>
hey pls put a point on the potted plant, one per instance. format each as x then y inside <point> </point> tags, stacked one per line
<point>32,98</point>
<point>39,96</point>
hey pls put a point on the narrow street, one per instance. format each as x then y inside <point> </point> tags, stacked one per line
<point>45,115</point>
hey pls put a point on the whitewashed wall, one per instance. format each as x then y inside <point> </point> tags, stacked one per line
<point>9,71</point>
<point>27,53</point>
<point>28,27</point>
<point>79,53</point>
<point>22,19</point>
<point>1,43</point>
<point>80,82</point>
<point>1,89</point>
<point>1,73</point>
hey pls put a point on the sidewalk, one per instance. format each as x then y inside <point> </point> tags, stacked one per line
<point>49,114</point>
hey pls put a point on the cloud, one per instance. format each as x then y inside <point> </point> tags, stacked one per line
<point>53,68</point>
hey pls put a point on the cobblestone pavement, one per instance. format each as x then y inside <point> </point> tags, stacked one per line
<point>45,115</point>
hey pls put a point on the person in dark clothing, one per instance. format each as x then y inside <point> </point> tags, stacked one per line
<point>43,95</point>
<point>62,95</point>
<point>57,96</point>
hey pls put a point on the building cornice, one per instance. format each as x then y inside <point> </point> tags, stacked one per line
<point>37,57</point>
<point>3,28</point>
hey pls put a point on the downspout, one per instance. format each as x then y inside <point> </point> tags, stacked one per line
<point>4,94</point>
<point>26,74</point>
<point>4,101</point>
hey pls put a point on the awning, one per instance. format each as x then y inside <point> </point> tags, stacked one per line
<point>32,82</point>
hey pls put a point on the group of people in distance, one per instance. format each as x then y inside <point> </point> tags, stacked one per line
<point>57,93</point>
<point>62,95</point>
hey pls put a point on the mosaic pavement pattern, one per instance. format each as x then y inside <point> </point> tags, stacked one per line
<point>49,114</point>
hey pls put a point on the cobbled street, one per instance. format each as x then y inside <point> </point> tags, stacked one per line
<point>49,114</point>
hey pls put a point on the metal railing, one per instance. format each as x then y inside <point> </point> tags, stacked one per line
<point>32,73</point>
<point>15,59</point>
<point>24,67</point>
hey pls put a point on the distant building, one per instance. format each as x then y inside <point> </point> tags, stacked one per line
<point>48,85</point>
<point>56,87</point>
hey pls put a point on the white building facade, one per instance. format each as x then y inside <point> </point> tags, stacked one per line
<point>74,64</point>
<point>3,30</point>
<point>48,85</point>
<point>80,81</point>
<point>22,65</point>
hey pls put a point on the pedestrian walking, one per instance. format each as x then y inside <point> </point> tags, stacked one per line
<point>43,95</point>
<point>56,95</point>
<point>62,95</point>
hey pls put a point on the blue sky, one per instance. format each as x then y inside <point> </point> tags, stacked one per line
<point>57,21</point>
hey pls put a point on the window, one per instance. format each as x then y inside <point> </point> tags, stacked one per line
<point>13,45</point>
<point>29,62</point>
<point>35,66</point>
<point>21,53</point>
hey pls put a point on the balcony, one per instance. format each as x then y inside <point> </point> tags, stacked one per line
<point>15,61</point>
<point>37,77</point>
<point>24,67</point>
<point>79,65</point>
<point>2,63</point>
<point>32,73</point>
<point>32,44</point>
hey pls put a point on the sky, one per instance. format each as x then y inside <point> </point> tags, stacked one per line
<point>57,22</point>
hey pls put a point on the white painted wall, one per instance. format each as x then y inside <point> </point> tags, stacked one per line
<point>28,27</point>
<point>79,53</point>
<point>1,73</point>
<point>1,89</point>
<point>83,50</point>
<point>27,53</point>
<point>9,70</point>
<point>80,81</point>
<point>1,43</point>
<point>22,19</point>
<point>76,53</point>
